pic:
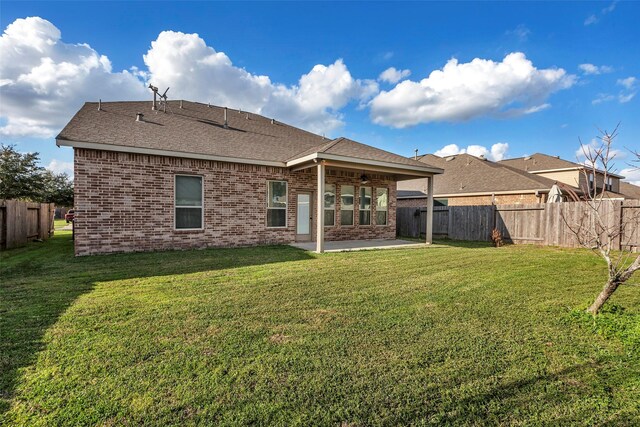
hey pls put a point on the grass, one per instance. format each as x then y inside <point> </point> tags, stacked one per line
<point>448,335</point>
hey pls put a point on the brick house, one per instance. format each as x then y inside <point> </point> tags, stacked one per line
<point>470,180</point>
<point>571,173</point>
<point>200,176</point>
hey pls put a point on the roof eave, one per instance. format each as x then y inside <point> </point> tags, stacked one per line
<point>426,170</point>
<point>166,153</point>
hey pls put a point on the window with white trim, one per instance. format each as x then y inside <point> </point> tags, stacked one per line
<point>329,205</point>
<point>346,204</point>
<point>365,206</point>
<point>188,202</point>
<point>382,205</point>
<point>277,203</point>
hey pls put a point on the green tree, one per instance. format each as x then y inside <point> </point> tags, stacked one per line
<point>20,176</point>
<point>22,179</point>
<point>57,188</point>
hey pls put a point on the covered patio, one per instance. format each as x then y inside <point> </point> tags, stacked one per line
<point>360,245</point>
<point>344,154</point>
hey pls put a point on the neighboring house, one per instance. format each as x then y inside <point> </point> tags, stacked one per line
<point>570,173</point>
<point>629,191</point>
<point>201,176</point>
<point>470,180</point>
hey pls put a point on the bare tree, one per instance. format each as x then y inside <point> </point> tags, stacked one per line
<point>601,228</point>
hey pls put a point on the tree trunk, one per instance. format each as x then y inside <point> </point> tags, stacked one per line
<point>608,290</point>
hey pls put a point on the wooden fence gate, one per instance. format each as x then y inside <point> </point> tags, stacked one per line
<point>21,222</point>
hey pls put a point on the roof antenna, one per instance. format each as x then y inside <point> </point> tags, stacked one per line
<point>226,124</point>
<point>155,94</point>
<point>416,155</point>
<point>99,104</point>
<point>163,100</point>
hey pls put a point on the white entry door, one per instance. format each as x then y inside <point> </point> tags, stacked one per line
<point>303,217</point>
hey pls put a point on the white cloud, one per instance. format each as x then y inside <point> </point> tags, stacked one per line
<point>60,166</point>
<point>592,19</point>
<point>610,8</point>
<point>464,91</point>
<point>631,175</point>
<point>628,83</point>
<point>44,81</point>
<point>393,76</point>
<point>521,32</point>
<point>387,55</point>
<point>624,98</point>
<point>628,92</point>
<point>590,149</point>
<point>198,72</point>
<point>603,97</point>
<point>595,69</point>
<point>496,153</point>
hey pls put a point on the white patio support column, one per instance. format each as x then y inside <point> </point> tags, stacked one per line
<point>429,230</point>
<point>320,210</point>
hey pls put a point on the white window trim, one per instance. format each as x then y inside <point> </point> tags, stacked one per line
<point>286,208</point>
<point>387,209</point>
<point>175,207</point>
<point>335,195</point>
<point>353,211</point>
<point>370,210</point>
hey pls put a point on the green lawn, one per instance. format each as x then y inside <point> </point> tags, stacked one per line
<point>452,334</point>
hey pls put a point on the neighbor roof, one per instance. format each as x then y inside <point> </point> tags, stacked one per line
<point>543,162</point>
<point>629,190</point>
<point>198,129</point>
<point>464,174</point>
<point>540,161</point>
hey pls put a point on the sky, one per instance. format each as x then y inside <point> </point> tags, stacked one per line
<point>501,79</point>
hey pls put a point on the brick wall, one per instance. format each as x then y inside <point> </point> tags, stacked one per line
<point>500,199</point>
<point>412,203</point>
<point>124,203</point>
<point>503,199</point>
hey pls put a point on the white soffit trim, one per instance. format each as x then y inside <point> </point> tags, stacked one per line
<point>357,160</point>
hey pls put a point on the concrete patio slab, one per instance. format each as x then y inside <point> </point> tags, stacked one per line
<point>360,245</point>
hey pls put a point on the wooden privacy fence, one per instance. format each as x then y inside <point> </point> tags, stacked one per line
<point>543,224</point>
<point>21,222</point>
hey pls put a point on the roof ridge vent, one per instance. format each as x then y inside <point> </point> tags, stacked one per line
<point>139,117</point>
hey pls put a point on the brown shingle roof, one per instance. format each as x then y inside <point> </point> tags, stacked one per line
<point>464,173</point>
<point>629,190</point>
<point>199,129</point>
<point>540,161</point>
<point>196,128</point>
